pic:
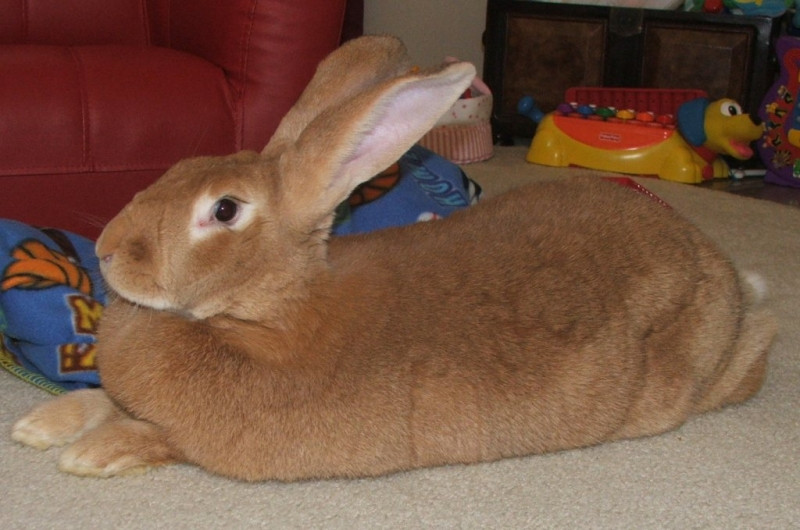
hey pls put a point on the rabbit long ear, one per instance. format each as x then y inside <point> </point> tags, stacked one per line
<point>349,70</point>
<point>351,143</point>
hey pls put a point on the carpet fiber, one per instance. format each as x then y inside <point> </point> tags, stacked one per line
<point>738,468</point>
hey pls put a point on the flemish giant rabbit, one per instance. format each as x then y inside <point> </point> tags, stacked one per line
<point>244,340</point>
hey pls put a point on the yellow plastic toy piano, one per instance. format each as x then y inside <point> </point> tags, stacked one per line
<point>637,131</point>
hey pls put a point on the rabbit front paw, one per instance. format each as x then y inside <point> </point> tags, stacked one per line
<point>121,447</point>
<point>62,420</point>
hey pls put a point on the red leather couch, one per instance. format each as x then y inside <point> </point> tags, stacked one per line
<point>99,97</point>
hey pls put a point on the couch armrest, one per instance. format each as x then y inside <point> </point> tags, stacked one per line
<point>267,48</point>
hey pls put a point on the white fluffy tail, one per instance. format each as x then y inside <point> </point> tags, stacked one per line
<point>745,372</point>
<point>755,286</point>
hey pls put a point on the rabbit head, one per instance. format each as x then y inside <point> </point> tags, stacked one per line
<point>244,235</point>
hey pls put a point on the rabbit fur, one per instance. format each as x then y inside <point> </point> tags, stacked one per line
<point>242,339</point>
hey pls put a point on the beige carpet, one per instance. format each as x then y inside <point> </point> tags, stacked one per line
<point>739,468</point>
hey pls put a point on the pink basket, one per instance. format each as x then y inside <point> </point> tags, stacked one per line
<point>461,144</point>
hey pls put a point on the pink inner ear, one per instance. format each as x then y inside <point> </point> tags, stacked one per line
<point>399,119</point>
<point>344,147</point>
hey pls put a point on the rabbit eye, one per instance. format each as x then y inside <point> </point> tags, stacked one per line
<point>225,210</point>
<point>212,214</point>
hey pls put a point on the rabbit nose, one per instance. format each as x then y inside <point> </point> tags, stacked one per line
<point>105,258</point>
<point>103,247</point>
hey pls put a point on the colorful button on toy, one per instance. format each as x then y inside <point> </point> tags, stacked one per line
<point>585,110</point>
<point>605,112</point>
<point>665,119</point>
<point>564,108</point>
<point>626,114</point>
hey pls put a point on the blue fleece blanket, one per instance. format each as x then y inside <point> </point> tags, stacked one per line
<point>51,298</point>
<point>421,186</point>
<point>52,294</point>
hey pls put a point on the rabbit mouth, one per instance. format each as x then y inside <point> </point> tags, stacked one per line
<point>156,303</point>
<point>156,300</point>
<point>153,295</point>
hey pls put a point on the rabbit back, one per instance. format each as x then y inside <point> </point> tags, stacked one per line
<point>608,314</point>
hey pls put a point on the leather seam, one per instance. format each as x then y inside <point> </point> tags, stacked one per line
<point>245,54</point>
<point>168,23</point>
<point>85,109</point>
<point>143,12</point>
<point>70,169</point>
<point>25,21</point>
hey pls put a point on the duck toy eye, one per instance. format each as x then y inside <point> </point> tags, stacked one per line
<point>730,108</point>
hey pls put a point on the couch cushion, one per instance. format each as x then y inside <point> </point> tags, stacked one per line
<point>71,22</point>
<point>110,108</point>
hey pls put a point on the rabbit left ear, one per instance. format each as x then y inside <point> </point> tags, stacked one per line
<point>351,143</point>
<point>351,69</point>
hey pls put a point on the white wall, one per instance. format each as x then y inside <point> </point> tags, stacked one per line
<point>431,29</point>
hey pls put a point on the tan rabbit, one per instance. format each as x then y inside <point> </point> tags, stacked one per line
<point>243,340</point>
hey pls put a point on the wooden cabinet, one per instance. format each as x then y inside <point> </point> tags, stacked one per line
<point>541,49</point>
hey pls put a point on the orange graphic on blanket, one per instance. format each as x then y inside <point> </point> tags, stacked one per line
<point>376,187</point>
<point>39,267</point>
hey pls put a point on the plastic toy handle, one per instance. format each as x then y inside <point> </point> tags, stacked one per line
<point>526,106</point>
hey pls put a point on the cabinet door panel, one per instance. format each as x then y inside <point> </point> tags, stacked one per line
<point>698,57</point>
<point>544,57</point>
